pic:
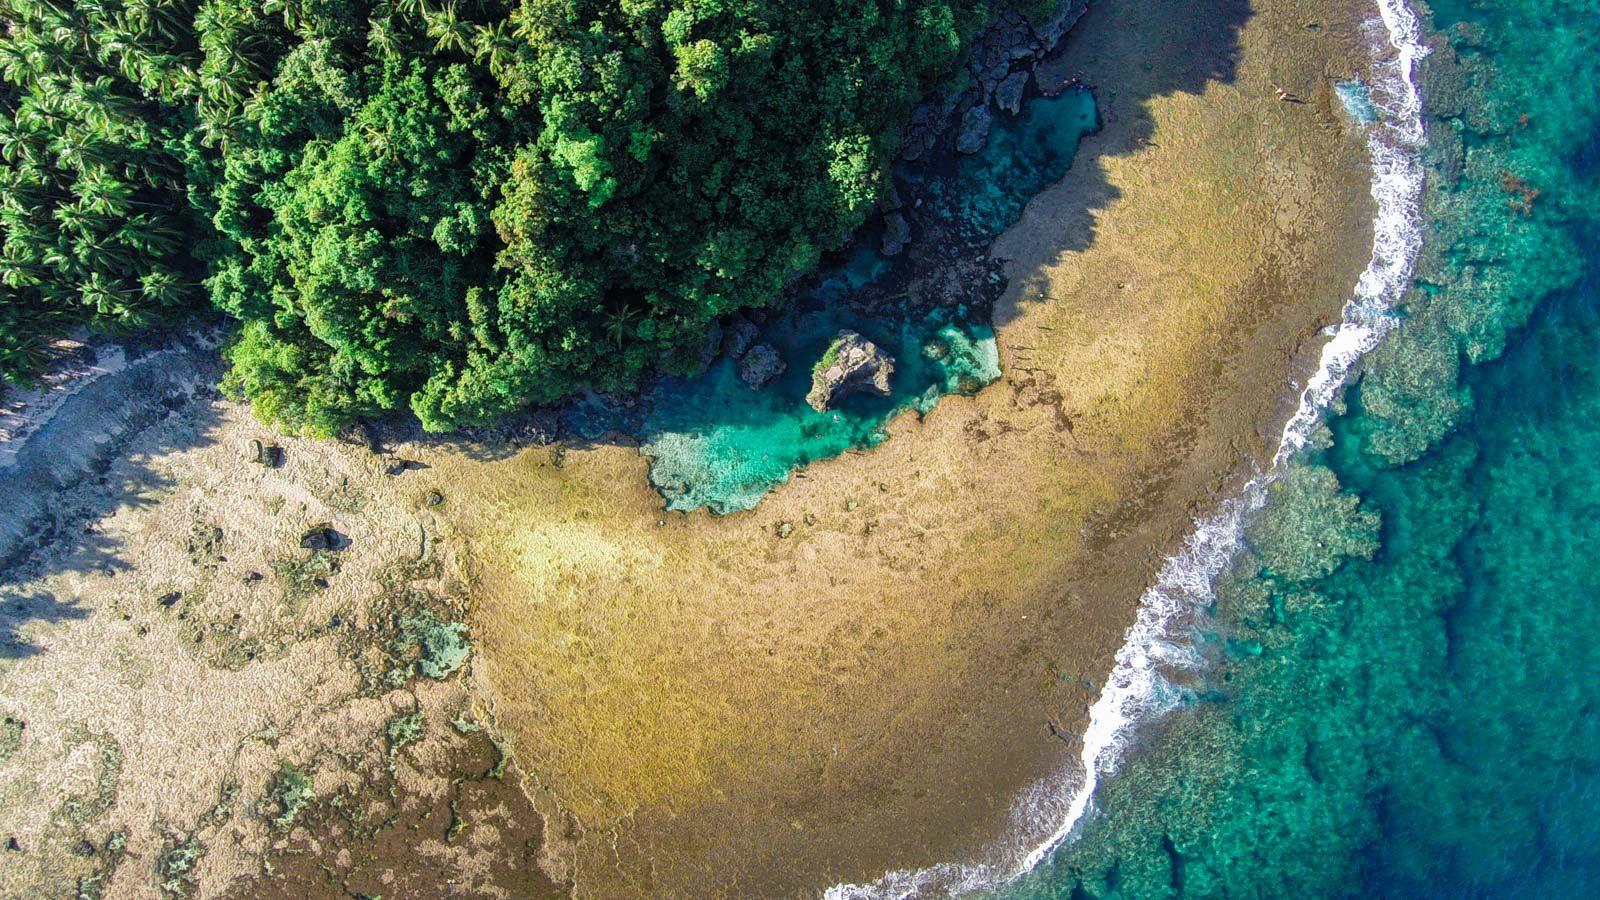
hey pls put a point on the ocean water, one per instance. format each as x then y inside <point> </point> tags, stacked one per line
<point>1393,691</point>
<point>716,443</point>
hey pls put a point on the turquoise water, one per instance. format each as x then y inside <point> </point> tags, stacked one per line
<point>716,443</point>
<point>1024,156</point>
<point>1404,668</point>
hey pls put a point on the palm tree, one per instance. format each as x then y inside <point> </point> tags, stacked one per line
<point>495,47</point>
<point>449,32</point>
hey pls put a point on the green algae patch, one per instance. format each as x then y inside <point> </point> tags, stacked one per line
<point>175,867</point>
<point>404,730</point>
<point>291,793</point>
<point>441,647</point>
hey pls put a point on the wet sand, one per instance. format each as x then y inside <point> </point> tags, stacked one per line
<point>711,708</point>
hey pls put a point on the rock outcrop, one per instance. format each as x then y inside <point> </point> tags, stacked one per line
<point>760,365</point>
<point>1012,46</point>
<point>852,364</point>
<point>974,130</point>
<point>737,337</point>
<point>1008,96</point>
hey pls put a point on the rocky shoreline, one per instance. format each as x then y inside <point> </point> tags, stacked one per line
<point>938,261</point>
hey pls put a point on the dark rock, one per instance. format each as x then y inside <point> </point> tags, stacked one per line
<point>974,130</point>
<point>269,455</point>
<point>323,537</point>
<point>851,365</point>
<point>401,466</point>
<point>253,577</point>
<point>712,346</point>
<point>891,199</point>
<point>738,336</point>
<point>896,234</point>
<point>169,600</point>
<point>760,365</point>
<point>1008,96</point>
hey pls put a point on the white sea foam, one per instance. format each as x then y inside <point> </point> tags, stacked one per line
<point>1157,646</point>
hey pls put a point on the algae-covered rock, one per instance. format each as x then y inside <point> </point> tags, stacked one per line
<point>896,233</point>
<point>738,336</point>
<point>852,364</point>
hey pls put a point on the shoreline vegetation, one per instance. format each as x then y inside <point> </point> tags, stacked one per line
<point>459,209</point>
<point>862,674</point>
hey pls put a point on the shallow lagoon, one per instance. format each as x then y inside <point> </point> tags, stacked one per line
<point>714,442</point>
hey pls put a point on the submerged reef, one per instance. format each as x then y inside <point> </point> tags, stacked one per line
<point>1398,702</point>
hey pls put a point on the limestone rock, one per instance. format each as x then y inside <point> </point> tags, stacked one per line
<point>738,336</point>
<point>1008,96</point>
<point>896,233</point>
<point>851,365</point>
<point>974,129</point>
<point>760,365</point>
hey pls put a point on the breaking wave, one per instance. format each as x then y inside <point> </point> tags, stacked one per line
<point>1157,646</point>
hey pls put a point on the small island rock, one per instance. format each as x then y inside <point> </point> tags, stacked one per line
<point>852,364</point>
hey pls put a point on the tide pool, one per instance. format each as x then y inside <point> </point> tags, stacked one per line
<point>714,442</point>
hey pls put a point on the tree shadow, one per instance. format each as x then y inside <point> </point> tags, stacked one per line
<point>1127,52</point>
<point>1202,46</point>
<point>949,262</point>
<point>94,456</point>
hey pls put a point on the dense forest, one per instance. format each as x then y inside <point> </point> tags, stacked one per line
<point>458,207</point>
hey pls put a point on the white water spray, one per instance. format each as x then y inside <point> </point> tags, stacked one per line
<point>1137,691</point>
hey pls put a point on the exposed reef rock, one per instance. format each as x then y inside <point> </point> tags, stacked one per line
<point>851,365</point>
<point>760,365</point>
<point>974,130</point>
<point>738,336</point>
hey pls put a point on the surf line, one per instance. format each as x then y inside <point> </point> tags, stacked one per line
<point>1137,691</point>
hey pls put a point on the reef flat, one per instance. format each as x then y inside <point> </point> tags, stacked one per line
<point>1396,691</point>
<point>868,671</point>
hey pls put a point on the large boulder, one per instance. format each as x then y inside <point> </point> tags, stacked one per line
<point>737,337</point>
<point>760,365</point>
<point>896,233</point>
<point>974,129</point>
<point>852,364</point>
<point>1008,96</point>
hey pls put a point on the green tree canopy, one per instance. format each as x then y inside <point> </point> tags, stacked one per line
<point>460,206</point>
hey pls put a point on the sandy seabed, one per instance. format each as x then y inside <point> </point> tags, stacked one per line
<point>701,706</point>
